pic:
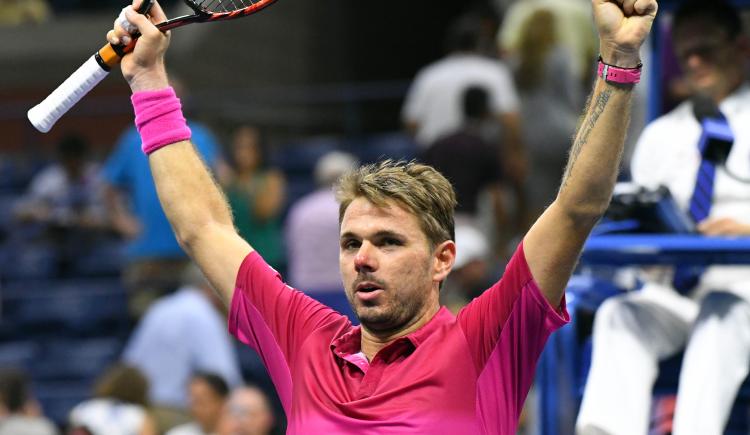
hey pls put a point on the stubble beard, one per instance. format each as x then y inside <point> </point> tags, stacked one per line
<point>397,310</point>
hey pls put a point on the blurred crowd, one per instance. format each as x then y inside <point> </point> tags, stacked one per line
<point>496,115</point>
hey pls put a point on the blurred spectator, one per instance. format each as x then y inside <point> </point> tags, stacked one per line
<point>312,229</point>
<point>470,275</point>
<point>119,406</point>
<point>432,108</point>
<point>63,206</point>
<point>472,163</point>
<point>154,257</point>
<point>256,196</point>
<point>67,193</point>
<point>208,395</point>
<point>705,311</point>
<point>574,30</point>
<point>181,334</point>
<point>19,412</point>
<point>248,412</point>
<point>551,103</point>
<point>17,12</point>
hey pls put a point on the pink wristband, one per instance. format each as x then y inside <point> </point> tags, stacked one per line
<point>615,74</point>
<point>158,118</point>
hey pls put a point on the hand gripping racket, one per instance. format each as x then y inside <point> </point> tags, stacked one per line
<point>45,114</point>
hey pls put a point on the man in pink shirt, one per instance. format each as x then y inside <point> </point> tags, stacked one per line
<point>412,367</point>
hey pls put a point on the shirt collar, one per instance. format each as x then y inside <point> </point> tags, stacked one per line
<point>351,342</point>
<point>736,101</point>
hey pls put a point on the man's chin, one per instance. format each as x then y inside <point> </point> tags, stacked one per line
<point>374,318</point>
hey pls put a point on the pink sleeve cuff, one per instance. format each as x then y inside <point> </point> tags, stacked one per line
<point>159,119</point>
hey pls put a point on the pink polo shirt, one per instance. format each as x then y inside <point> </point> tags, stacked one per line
<point>465,374</point>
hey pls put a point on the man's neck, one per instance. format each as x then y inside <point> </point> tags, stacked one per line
<point>729,91</point>
<point>373,341</point>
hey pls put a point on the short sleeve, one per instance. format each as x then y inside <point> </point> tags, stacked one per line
<point>416,101</point>
<point>504,95</point>
<point>512,313</point>
<point>269,315</point>
<point>116,169</point>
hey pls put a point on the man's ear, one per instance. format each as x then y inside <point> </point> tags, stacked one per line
<point>444,257</point>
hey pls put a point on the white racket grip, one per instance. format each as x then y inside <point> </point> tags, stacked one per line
<point>45,114</point>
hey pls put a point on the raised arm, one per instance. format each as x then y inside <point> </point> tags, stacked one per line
<point>554,242</point>
<point>191,199</point>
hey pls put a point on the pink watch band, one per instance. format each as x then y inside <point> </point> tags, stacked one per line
<point>615,74</point>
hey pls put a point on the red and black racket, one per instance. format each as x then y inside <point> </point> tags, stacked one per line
<point>45,114</point>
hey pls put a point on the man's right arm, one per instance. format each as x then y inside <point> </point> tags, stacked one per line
<point>199,214</point>
<point>191,199</point>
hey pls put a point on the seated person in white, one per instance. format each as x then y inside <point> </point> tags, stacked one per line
<point>710,320</point>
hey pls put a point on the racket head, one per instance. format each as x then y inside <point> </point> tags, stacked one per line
<point>215,10</point>
<point>227,9</point>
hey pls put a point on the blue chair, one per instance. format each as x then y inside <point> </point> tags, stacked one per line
<point>106,258</point>
<point>21,260</point>
<point>563,365</point>
<point>76,359</point>
<point>89,307</point>
<point>396,145</point>
<point>300,157</point>
<point>58,398</point>
<point>19,354</point>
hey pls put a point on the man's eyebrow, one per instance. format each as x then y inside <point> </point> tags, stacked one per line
<point>348,235</point>
<point>387,233</point>
<point>379,234</point>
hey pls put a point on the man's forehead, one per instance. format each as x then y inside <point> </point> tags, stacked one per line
<point>386,217</point>
<point>696,28</point>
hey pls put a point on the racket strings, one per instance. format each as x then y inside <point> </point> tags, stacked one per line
<point>215,6</point>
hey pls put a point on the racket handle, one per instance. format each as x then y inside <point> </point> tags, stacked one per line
<point>45,114</point>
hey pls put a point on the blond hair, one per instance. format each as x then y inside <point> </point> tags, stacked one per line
<point>420,189</point>
<point>538,37</point>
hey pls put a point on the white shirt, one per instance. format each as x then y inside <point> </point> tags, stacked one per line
<point>667,154</point>
<point>186,429</point>
<point>312,240</point>
<point>108,417</point>
<point>435,99</point>
<point>180,334</point>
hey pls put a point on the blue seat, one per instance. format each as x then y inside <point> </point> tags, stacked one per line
<point>7,204</point>
<point>21,261</point>
<point>396,145</point>
<point>300,157</point>
<point>76,359</point>
<point>19,354</point>
<point>564,364</point>
<point>106,258</point>
<point>560,378</point>
<point>58,398</point>
<point>81,307</point>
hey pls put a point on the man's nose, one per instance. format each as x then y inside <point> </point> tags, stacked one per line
<point>694,60</point>
<point>365,260</point>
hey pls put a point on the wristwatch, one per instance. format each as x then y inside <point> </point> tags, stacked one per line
<point>616,74</point>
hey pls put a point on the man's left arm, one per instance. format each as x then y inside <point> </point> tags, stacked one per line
<point>553,244</point>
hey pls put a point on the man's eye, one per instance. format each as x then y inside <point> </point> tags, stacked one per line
<point>350,244</point>
<point>391,242</point>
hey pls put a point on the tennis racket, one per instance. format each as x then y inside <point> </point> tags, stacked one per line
<point>45,114</point>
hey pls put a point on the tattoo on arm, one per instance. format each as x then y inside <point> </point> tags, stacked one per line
<point>585,130</point>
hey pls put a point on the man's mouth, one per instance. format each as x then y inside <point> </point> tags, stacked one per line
<point>368,290</point>
<point>367,287</point>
